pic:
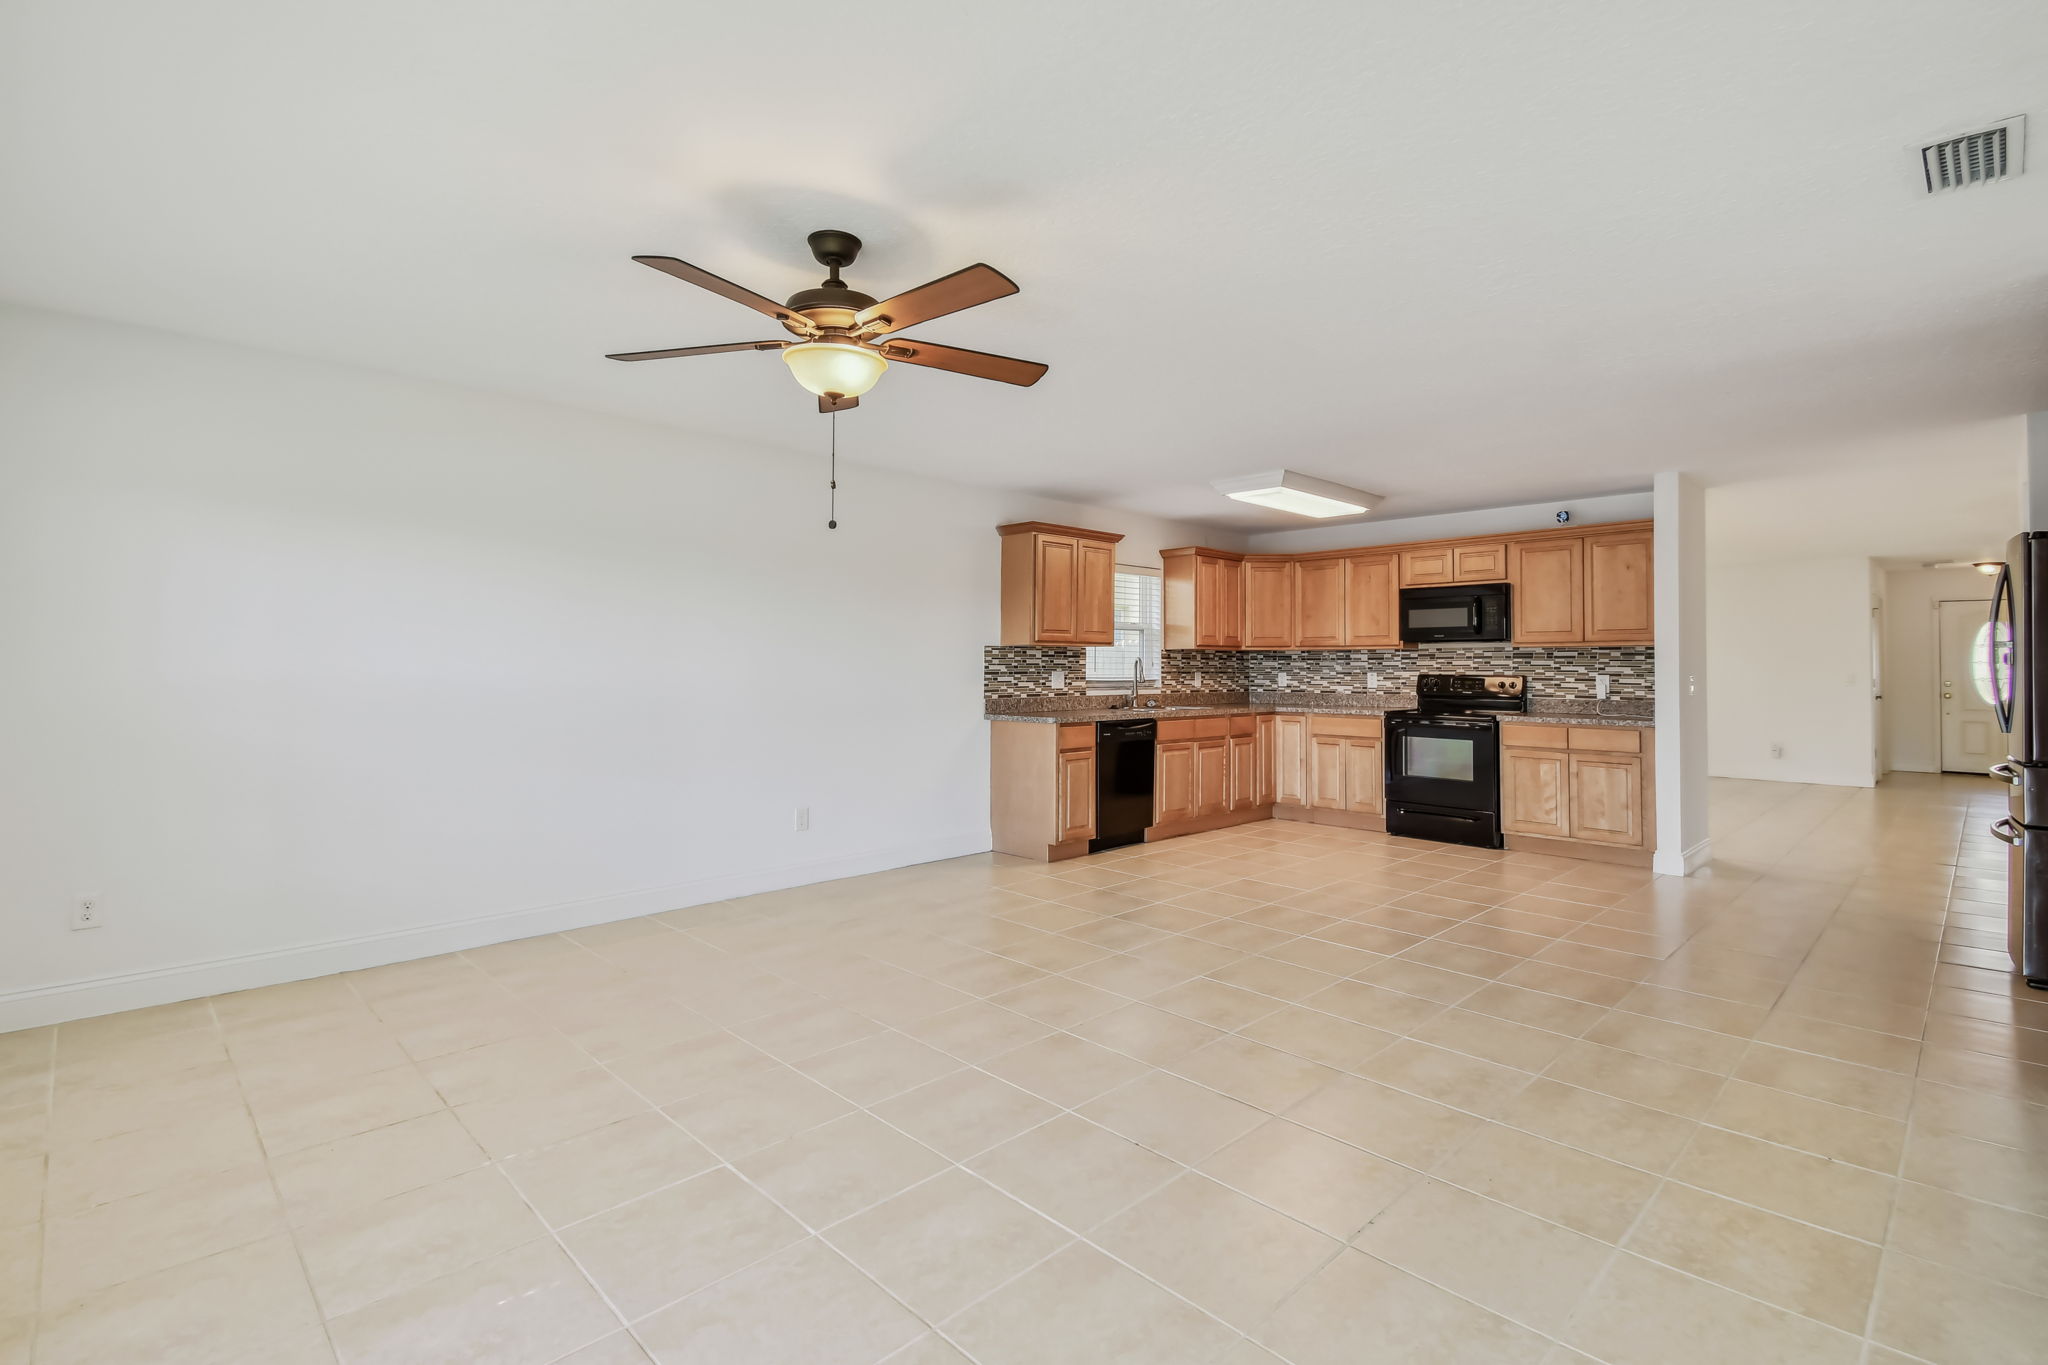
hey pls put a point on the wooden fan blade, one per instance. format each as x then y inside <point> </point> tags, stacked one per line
<point>699,350</point>
<point>979,364</point>
<point>704,279</point>
<point>947,294</point>
<point>837,404</point>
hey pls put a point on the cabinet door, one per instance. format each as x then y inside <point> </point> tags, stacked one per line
<point>1365,779</point>
<point>1290,760</point>
<point>1056,583</point>
<point>1230,615</point>
<point>1326,772</point>
<point>1607,799</point>
<point>1481,562</point>
<point>1319,604</point>
<point>1533,792</point>
<point>1212,776</point>
<point>1619,596</point>
<point>1174,782</point>
<point>1420,568</point>
<point>1269,605</point>
<point>1076,819</point>
<point>1372,602</point>
<point>1208,602</point>
<point>1244,771</point>
<point>1265,760</point>
<point>1548,594</point>
<point>1095,594</point>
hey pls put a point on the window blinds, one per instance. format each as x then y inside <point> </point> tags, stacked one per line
<point>1140,624</point>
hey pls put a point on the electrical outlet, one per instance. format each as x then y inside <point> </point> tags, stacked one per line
<point>87,914</point>
<point>1372,682</point>
<point>1059,680</point>
<point>803,818</point>
<point>1777,750</point>
<point>1198,682</point>
<point>1283,680</point>
<point>1601,683</point>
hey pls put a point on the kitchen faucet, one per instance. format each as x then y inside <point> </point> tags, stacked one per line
<point>1137,677</point>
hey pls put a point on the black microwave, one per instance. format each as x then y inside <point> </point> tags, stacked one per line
<point>1472,611</point>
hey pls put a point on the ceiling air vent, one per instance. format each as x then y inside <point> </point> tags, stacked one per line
<point>1993,153</point>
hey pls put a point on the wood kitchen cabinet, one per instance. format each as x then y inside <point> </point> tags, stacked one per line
<point>1041,789</point>
<point>1347,771</point>
<point>1547,594</point>
<point>1269,587</point>
<point>1372,602</point>
<point>1479,561</point>
<point>1586,784</point>
<point>1203,596</point>
<point>1620,592</point>
<point>1206,773</point>
<point>1288,754</point>
<point>1059,585</point>
<point>1319,604</point>
<point>1589,586</point>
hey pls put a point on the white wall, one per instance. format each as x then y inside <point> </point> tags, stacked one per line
<point>1450,525</point>
<point>1788,645</point>
<point>1684,671</point>
<point>300,655</point>
<point>1912,660</point>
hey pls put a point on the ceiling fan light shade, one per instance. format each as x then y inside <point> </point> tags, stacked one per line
<point>834,368</point>
<point>1286,491</point>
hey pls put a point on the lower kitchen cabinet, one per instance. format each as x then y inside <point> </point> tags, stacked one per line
<point>1346,768</point>
<point>1042,789</point>
<point>1288,754</point>
<point>1586,784</point>
<point>1210,770</point>
<point>1076,792</point>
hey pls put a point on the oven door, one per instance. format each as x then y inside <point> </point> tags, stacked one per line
<point>1444,762</point>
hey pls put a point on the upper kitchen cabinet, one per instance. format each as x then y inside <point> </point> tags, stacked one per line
<point>1269,587</point>
<point>1620,600</point>
<point>1473,561</point>
<point>1059,585</point>
<point>1319,604</point>
<point>1594,589</point>
<point>1372,602</point>
<point>1547,581</point>
<point>1204,598</point>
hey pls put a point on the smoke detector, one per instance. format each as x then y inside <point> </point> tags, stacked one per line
<point>1975,158</point>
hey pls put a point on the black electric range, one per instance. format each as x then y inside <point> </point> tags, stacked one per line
<point>1443,757</point>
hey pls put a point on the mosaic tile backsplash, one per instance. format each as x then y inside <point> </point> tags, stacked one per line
<point>1553,672</point>
<point>1026,670</point>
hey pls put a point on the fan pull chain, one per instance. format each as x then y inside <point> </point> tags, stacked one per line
<point>832,511</point>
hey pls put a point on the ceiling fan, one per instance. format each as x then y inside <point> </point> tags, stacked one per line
<point>844,338</point>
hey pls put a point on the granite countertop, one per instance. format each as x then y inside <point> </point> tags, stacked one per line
<point>1555,714</point>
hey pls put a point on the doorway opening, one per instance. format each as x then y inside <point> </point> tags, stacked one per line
<point>1969,728</point>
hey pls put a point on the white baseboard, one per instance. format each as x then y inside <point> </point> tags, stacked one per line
<point>1683,862</point>
<point>35,1006</point>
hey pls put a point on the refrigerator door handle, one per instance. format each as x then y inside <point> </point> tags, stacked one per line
<point>2001,690</point>
<point>2005,772</point>
<point>2006,832</point>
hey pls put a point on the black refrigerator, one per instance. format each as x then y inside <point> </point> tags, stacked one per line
<point>2017,645</point>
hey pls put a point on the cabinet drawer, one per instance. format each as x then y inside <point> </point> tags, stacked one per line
<point>1077,737</point>
<point>1244,725</point>
<point>1211,727</point>
<point>1361,727</point>
<point>1607,741</point>
<point>1172,730</point>
<point>1513,736</point>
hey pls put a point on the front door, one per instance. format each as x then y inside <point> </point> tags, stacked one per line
<point>1970,738</point>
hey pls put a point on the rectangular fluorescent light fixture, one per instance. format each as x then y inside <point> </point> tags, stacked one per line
<point>1287,491</point>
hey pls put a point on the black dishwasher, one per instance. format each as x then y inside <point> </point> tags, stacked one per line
<point>1123,782</point>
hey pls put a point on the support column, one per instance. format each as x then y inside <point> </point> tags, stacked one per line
<point>1679,505</point>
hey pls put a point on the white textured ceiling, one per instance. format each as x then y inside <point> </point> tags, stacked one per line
<point>1460,254</point>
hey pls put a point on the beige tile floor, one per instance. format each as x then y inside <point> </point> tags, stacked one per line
<point>1270,1094</point>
